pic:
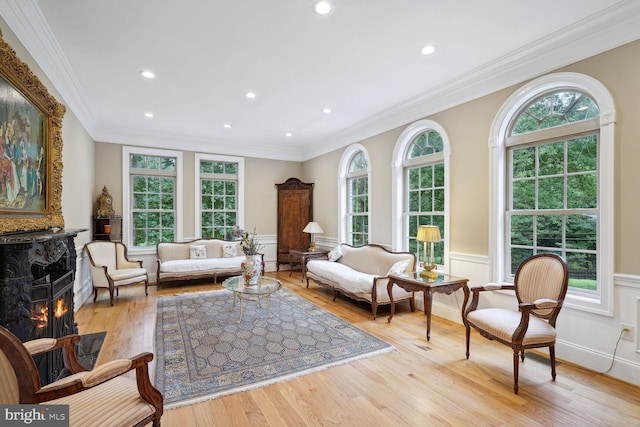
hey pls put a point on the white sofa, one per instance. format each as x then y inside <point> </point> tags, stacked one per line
<point>361,273</point>
<point>178,261</point>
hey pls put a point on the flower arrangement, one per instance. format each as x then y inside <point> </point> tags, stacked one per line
<point>248,241</point>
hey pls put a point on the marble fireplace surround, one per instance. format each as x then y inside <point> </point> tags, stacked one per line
<point>37,269</point>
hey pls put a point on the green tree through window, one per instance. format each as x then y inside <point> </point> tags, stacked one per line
<point>153,210</point>
<point>425,189</point>
<point>553,190</point>
<point>219,198</point>
<point>358,200</point>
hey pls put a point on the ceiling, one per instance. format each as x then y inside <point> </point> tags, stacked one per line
<point>363,61</point>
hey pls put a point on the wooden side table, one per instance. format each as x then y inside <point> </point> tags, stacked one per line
<point>412,281</point>
<point>302,256</point>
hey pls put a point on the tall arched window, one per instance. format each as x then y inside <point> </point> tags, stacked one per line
<point>354,196</point>
<point>554,160</point>
<point>420,189</point>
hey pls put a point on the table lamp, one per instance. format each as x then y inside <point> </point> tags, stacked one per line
<point>313,228</point>
<point>428,234</point>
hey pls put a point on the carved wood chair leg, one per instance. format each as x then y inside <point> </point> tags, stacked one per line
<point>516,362</point>
<point>552,360</point>
<point>95,294</point>
<point>374,310</point>
<point>468,333</point>
<point>111,295</point>
<point>335,294</point>
<point>146,287</point>
<point>522,355</point>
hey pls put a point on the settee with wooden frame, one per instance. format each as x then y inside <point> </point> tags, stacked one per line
<point>361,273</point>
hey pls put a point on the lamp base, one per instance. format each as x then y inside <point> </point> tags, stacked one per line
<point>426,274</point>
<point>312,247</point>
<point>427,271</point>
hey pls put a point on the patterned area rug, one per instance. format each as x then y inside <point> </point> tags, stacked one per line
<point>203,353</point>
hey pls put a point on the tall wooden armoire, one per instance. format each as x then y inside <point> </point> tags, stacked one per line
<point>295,211</point>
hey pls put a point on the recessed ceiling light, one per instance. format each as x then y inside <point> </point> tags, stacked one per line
<point>227,125</point>
<point>428,50</point>
<point>288,134</point>
<point>147,74</point>
<point>322,7</point>
<point>250,95</point>
<point>326,110</point>
<point>149,115</point>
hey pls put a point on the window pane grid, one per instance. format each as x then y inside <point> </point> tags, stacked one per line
<point>425,204</point>
<point>553,190</point>
<point>358,210</point>
<point>153,207</point>
<point>219,198</point>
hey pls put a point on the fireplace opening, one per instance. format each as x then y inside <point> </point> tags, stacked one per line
<point>52,317</point>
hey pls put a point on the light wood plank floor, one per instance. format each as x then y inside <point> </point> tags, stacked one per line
<point>421,384</point>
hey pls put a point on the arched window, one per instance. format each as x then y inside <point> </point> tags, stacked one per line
<point>420,189</point>
<point>354,196</point>
<point>555,166</point>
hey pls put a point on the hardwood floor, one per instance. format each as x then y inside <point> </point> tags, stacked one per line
<point>423,383</point>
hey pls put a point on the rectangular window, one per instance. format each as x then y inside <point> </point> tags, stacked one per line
<point>358,210</point>
<point>151,196</point>
<point>425,205</point>
<point>553,205</point>
<point>219,188</point>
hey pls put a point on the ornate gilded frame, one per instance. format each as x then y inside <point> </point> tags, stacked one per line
<point>17,215</point>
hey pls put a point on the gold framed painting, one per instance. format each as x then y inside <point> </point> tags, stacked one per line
<point>30,149</point>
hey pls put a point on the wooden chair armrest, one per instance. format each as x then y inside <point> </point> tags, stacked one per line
<point>105,373</point>
<point>44,345</point>
<point>476,289</point>
<point>66,343</point>
<point>541,303</point>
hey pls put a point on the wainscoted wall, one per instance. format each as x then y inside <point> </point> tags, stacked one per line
<point>83,288</point>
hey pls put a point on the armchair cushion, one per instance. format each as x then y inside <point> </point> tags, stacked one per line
<point>115,402</point>
<point>502,323</point>
<point>119,276</point>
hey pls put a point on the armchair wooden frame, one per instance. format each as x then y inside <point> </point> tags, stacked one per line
<point>20,357</point>
<point>543,278</point>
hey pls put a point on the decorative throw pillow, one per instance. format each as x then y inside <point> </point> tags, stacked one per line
<point>398,268</point>
<point>335,254</point>
<point>229,251</point>
<point>197,251</point>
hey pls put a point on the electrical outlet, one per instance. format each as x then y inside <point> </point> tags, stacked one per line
<point>628,332</point>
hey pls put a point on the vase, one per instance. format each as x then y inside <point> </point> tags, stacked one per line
<point>251,268</point>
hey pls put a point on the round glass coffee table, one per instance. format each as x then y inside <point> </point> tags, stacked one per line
<point>258,292</point>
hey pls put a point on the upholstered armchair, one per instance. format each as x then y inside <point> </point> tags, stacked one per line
<point>101,397</point>
<point>110,268</point>
<point>540,286</point>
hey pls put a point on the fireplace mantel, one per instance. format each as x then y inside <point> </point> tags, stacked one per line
<point>23,258</point>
